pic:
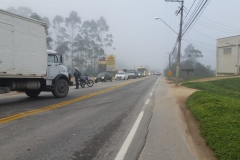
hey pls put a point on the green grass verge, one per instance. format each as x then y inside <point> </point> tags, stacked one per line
<point>217,108</point>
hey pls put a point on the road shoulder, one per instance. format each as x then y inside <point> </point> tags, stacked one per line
<point>190,125</point>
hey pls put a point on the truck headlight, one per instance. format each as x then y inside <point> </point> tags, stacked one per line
<point>102,77</point>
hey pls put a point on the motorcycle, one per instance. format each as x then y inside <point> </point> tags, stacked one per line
<point>85,80</point>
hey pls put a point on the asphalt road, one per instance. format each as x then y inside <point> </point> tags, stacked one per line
<point>90,123</point>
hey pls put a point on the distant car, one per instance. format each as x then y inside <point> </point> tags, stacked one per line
<point>138,74</point>
<point>121,75</point>
<point>158,73</point>
<point>103,77</point>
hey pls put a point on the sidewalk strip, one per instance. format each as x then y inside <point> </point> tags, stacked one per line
<point>121,154</point>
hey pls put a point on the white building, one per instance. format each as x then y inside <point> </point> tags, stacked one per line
<point>228,56</point>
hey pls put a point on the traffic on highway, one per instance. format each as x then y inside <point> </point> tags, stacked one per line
<point>89,123</point>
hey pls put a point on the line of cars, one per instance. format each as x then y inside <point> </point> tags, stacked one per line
<point>106,76</point>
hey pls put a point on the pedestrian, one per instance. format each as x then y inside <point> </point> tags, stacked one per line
<point>77,75</point>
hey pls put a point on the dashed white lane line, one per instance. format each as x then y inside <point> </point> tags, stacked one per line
<point>147,101</point>
<point>121,154</point>
<point>151,94</point>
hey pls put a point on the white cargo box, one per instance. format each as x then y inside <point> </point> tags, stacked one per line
<point>22,47</point>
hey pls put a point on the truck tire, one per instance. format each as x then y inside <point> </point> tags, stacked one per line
<point>61,88</point>
<point>32,93</point>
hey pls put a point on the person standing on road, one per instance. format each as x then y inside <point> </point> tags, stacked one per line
<point>77,75</point>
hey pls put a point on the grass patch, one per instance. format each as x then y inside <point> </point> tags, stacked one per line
<point>226,87</point>
<point>217,108</point>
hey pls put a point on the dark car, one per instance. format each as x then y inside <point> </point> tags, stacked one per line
<point>138,74</point>
<point>103,77</point>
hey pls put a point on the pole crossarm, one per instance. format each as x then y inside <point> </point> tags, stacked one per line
<point>172,1</point>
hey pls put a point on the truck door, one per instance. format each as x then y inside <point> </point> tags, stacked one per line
<point>53,66</point>
<point>6,48</point>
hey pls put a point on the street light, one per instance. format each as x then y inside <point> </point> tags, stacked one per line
<point>157,18</point>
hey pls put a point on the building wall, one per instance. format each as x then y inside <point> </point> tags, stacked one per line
<point>228,50</point>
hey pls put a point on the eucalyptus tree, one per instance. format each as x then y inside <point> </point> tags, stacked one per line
<point>105,37</point>
<point>36,16</point>
<point>62,41</point>
<point>48,24</point>
<point>92,43</point>
<point>23,11</point>
<point>12,10</point>
<point>80,50</point>
<point>49,38</point>
<point>72,23</point>
<point>57,27</point>
<point>191,55</point>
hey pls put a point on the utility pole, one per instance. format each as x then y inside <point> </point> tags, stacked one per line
<point>179,40</point>
<point>169,61</point>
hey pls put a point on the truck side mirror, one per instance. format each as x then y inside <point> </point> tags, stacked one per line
<point>61,59</point>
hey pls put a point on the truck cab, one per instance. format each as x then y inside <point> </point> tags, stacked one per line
<point>57,78</point>
<point>55,65</point>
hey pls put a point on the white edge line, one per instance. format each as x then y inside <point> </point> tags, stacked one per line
<point>147,101</point>
<point>121,154</point>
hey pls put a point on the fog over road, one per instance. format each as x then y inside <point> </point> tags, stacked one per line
<point>90,123</point>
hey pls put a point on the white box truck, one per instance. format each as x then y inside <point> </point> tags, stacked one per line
<point>25,63</point>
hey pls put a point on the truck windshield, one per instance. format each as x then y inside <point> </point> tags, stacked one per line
<point>52,58</point>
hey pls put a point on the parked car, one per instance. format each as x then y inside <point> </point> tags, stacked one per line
<point>103,77</point>
<point>131,75</point>
<point>121,75</point>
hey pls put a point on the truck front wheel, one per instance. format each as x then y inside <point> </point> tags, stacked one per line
<point>61,88</point>
<point>32,93</point>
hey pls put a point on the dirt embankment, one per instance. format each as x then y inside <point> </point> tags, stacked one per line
<point>191,126</point>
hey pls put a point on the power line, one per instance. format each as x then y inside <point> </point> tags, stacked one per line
<point>200,42</point>
<point>220,26</point>
<point>204,35</point>
<point>198,45</point>
<point>195,17</point>
<point>216,29</point>
<point>193,13</point>
<point>218,23</point>
<point>225,27</point>
<point>189,10</point>
<point>211,52</point>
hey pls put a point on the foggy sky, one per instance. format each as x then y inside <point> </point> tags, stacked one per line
<point>139,39</point>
